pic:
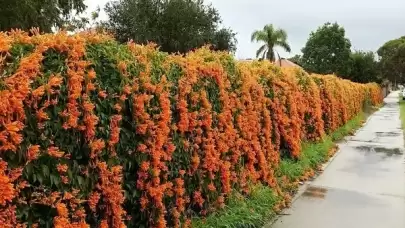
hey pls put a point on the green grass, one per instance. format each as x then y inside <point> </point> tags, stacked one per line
<point>349,127</point>
<point>242,212</point>
<point>257,209</point>
<point>402,110</point>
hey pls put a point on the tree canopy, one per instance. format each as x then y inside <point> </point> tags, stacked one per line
<point>392,59</point>
<point>271,38</point>
<point>45,14</point>
<point>327,51</point>
<point>364,67</point>
<point>175,25</point>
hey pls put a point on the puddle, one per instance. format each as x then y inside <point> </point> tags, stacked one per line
<point>315,192</point>
<point>388,152</point>
<point>387,134</point>
<point>372,163</point>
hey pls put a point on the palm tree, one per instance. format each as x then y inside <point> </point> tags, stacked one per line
<point>271,38</point>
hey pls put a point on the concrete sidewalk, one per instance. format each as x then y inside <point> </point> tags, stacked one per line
<point>364,186</point>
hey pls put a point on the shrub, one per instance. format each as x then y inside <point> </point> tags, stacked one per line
<point>94,133</point>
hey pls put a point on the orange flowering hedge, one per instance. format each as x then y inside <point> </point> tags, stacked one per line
<point>98,134</point>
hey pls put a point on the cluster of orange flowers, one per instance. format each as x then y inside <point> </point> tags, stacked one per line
<point>199,126</point>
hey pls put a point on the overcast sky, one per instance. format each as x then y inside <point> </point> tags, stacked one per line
<point>368,23</point>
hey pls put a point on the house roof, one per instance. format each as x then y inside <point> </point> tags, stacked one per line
<point>285,63</point>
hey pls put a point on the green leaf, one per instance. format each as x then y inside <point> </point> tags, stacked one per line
<point>55,179</point>
<point>80,180</point>
<point>45,170</point>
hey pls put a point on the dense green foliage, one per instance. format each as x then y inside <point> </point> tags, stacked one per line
<point>175,25</point>
<point>271,38</point>
<point>45,14</point>
<point>392,59</point>
<point>327,51</point>
<point>364,67</point>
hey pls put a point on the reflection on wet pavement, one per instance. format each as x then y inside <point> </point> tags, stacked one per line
<point>387,134</point>
<point>364,186</point>
<point>317,192</point>
<point>387,152</point>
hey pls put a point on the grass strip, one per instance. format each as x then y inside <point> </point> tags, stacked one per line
<point>402,111</point>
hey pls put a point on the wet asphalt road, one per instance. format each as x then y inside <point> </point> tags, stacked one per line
<point>364,185</point>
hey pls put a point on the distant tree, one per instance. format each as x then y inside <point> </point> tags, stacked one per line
<point>224,39</point>
<point>81,23</point>
<point>175,25</point>
<point>297,59</point>
<point>392,60</point>
<point>45,14</point>
<point>364,67</point>
<point>327,51</point>
<point>271,38</point>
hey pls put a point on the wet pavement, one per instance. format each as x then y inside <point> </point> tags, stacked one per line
<point>364,185</point>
